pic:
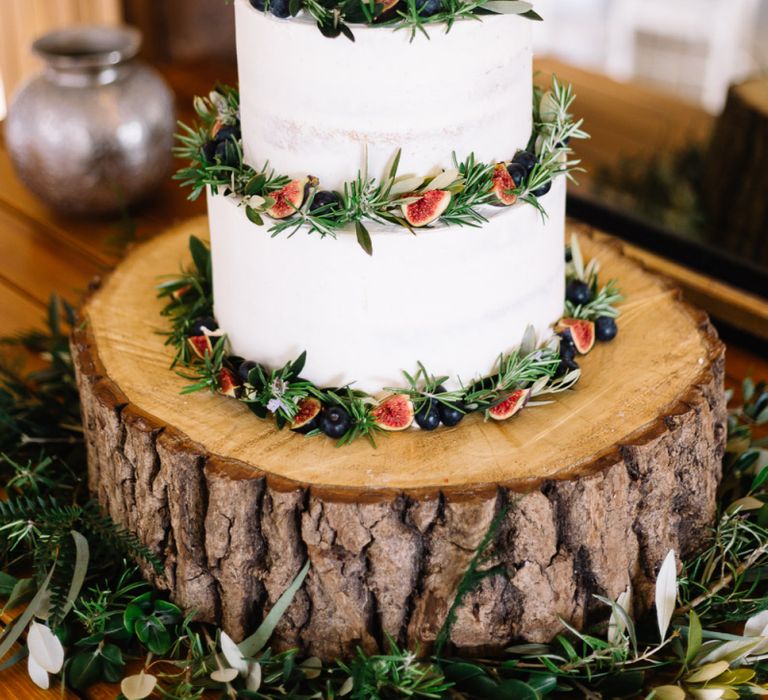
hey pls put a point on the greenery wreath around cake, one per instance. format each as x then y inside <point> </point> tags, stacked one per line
<point>69,574</point>
<point>333,17</point>
<point>455,196</point>
<point>522,378</point>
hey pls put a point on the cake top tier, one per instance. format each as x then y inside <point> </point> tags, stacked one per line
<point>335,18</point>
<point>310,106</point>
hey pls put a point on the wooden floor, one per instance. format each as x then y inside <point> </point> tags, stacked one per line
<point>42,252</point>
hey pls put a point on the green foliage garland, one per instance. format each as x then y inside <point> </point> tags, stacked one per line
<point>700,649</point>
<point>364,199</point>
<point>279,392</point>
<point>334,17</point>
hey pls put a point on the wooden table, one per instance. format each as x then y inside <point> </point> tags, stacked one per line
<point>42,252</point>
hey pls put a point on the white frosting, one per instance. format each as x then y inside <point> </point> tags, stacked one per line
<point>451,297</point>
<point>310,105</point>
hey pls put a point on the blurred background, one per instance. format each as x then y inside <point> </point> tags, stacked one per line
<point>674,94</point>
<point>693,48</point>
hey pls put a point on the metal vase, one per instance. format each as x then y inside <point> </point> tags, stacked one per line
<point>94,131</point>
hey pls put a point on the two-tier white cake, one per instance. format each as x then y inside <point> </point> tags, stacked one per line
<point>452,297</point>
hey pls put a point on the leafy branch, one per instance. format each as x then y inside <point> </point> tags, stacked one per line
<point>213,148</point>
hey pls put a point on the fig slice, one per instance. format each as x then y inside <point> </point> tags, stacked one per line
<point>307,419</point>
<point>228,384</point>
<point>428,208</point>
<point>201,345</point>
<point>386,6</point>
<point>394,413</point>
<point>511,406</point>
<point>582,333</point>
<point>503,186</point>
<point>289,199</point>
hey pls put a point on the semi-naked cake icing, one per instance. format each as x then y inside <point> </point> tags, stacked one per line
<point>310,105</point>
<point>452,297</point>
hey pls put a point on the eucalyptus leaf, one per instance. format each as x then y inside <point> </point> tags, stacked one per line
<point>232,654</point>
<point>22,590</point>
<point>12,633</point>
<point>253,677</point>
<point>258,640</point>
<point>82,557</point>
<point>462,671</point>
<point>513,689</point>
<point>84,669</point>
<point>7,584</point>
<point>138,687</point>
<point>224,675</point>
<point>19,655</point>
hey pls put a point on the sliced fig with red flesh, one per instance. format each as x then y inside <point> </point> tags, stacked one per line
<point>308,417</point>
<point>503,186</point>
<point>181,292</point>
<point>582,333</point>
<point>394,413</point>
<point>386,6</point>
<point>228,384</point>
<point>289,199</point>
<point>428,208</point>
<point>511,406</point>
<point>201,345</point>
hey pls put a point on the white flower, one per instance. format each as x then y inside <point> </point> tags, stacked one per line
<point>46,654</point>
<point>757,626</point>
<point>274,405</point>
<point>250,670</point>
<point>38,674</point>
<point>232,654</point>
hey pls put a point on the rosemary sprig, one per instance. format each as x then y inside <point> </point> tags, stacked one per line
<point>365,200</point>
<point>424,388</point>
<point>206,374</point>
<point>603,299</point>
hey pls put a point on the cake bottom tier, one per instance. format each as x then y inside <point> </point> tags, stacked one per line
<point>450,297</point>
<point>598,486</point>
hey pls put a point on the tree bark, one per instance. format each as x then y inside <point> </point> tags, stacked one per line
<point>388,560</point>
<point>736,171</point>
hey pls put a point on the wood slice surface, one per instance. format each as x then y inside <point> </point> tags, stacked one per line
<point>600,484</point>
<point>736,171</point>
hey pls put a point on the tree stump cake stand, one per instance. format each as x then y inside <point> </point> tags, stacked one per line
<point>601,483</point>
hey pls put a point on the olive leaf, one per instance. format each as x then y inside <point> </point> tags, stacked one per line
<point>363,237</point>
<point>666,593</point>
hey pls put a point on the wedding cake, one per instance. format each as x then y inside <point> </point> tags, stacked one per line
<point>388,252</point>
<point>452,282</point>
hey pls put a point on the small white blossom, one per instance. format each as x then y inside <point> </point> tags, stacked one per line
<point>274,405</point>
<point>45,647</point>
